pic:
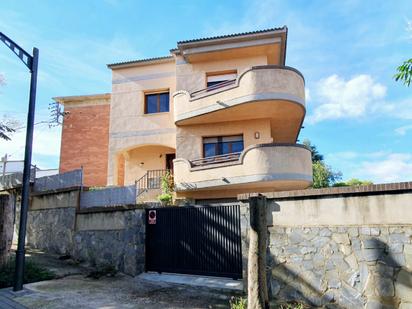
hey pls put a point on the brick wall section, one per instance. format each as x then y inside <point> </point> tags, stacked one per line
<point>85,139</point>
<point>396,187</point>
<point>120,170</point>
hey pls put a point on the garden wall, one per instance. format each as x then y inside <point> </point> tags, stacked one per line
<point>96,235</point>
<point>111,236</point>
<point>346,247</point>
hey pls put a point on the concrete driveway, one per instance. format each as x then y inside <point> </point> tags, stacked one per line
<point>73,289</point>
<point>121,291</point>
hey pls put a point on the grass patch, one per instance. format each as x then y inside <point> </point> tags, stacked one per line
<point>32,273</point>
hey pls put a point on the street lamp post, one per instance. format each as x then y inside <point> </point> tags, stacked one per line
<point>31,62</point>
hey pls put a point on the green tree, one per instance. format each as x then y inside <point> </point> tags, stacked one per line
<point>323,175</point>
<point>353,182</point>
<point>404,73</point>
<point>5,131</point>
<point>316,156</point>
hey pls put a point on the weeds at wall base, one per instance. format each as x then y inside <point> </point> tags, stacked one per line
<point>32,273</point>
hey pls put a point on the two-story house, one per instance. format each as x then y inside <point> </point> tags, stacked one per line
<point>222,113</point>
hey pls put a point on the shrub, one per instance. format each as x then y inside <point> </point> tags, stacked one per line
<point>32,273</point>
<point>238,303</point>
<point>167,185</point>
<point>353,182</point>
<point>165,198</point>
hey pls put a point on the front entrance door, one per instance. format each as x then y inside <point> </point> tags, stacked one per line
<point>169,161</point>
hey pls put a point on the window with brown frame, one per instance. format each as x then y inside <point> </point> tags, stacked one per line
<point>220,145</point>
<point>214,79</point>
<point>156,102</point>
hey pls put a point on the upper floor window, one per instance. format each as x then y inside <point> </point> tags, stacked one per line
<point>220,145</point>
<point>216,79</point>
<point>156,102</point>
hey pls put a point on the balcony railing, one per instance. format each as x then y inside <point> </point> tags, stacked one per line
<point>214,87</point>
<point>269,86</point>
<point>277,166</point>
<point>216,159</point>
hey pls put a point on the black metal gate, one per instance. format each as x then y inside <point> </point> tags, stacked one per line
<point>202,240</point>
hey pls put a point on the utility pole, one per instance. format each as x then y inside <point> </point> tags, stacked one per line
<point>31,62</point>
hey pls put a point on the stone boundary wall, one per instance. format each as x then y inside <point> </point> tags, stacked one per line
<point>7,205</point>
<point>51,230</point>
<point>114,238</point>
<point>341,247</point>
<point>345,267</point>
<point>99,236</point>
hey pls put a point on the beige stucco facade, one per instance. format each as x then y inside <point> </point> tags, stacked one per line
<point>264,104</point>
<point>133,133</point>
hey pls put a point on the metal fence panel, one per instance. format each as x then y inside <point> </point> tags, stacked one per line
<point>59,181</point>
<point>115,196</point>
<point>15,180</point>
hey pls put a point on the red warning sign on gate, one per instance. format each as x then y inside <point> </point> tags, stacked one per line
<point>152,216</point>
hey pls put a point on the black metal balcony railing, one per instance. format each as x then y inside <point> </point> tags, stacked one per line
<point>216,159</point>
<point>214,87</point>
<point>151,180</point>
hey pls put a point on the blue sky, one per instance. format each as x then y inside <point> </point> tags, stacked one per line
<point>357,115</point>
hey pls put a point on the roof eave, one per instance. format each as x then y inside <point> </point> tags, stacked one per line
<point>79,98</point>
<point>232,37</point>
<point>281,33</point>
<point>140,62</point>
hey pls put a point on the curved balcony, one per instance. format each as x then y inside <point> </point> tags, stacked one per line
<point>264,167</point>
<point>270,91</point>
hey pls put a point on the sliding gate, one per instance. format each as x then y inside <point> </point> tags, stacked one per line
<point>201,240</point>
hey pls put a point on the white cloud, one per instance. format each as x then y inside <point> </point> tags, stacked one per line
<point>307,95</point>
<point>402,130</point>
<point>395,167</point>
<point>2,79</point>
<point>409,28</point>
<point>46,143</point>
<point>339,98</point>
<point>379,166</point>
<point>345,155</point>
<point>401,109</point>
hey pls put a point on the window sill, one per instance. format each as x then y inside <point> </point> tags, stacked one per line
<point>154,114</point>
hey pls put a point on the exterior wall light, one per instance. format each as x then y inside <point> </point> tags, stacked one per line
<point>257,135</point>
<point>141,164</point>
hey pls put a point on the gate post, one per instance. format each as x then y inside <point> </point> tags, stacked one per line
<point>258,297</point>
